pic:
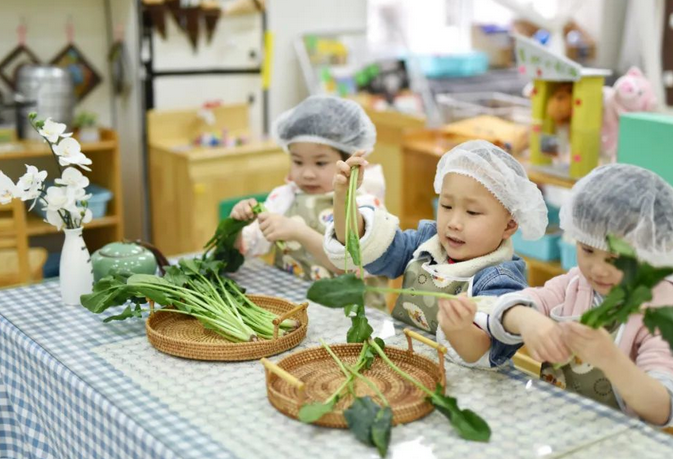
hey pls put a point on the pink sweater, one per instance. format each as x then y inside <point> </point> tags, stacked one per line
<point>571,294</point>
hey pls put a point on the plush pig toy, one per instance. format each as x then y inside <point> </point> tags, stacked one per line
<point>631,93</point>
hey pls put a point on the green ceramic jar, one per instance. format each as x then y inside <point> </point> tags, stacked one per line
<point>122,256</point>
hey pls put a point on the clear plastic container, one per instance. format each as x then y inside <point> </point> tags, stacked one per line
<point>456,107</point>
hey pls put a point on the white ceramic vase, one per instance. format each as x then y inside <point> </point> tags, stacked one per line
<point>76,271</point>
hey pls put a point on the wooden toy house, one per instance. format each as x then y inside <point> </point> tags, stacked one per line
<point>567,109</point>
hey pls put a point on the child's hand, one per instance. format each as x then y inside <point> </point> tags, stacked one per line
<point>595,347</point>
<point>276,227</point>
<point>544,339</point>
<point>243,210</point>
<point>343,172</point>
<point>456,315</point>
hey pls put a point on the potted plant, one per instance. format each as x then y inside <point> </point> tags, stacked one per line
<point>86,124</point>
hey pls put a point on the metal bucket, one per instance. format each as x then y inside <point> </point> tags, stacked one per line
<point>47,90</point>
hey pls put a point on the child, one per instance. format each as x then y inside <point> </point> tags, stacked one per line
<point>623,366</point>
<point>485,196</point>
<point>316,133</point>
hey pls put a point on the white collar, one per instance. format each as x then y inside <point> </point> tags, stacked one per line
<point>466,268</point>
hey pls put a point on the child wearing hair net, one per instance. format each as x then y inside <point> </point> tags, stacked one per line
<point>622,366</point>
<point>484,197</point>
<point>316,134</point>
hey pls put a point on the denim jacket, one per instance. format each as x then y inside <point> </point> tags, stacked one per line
<point>391,261</point>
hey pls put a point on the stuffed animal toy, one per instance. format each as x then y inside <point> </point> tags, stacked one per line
<point>632,92</point>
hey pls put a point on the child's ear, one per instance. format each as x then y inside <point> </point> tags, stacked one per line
<point>510,229</point>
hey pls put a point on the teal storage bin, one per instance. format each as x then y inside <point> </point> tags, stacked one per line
<point>100,197</point>
<point>545,249</point>
<point>227,205</point>
<point>645,141</point>
<point>568,254</point>
<point>553,215</point>
<point>454,65</point>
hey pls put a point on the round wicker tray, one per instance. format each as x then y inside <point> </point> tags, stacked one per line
<point>184,336</point>
<point>311,376</point>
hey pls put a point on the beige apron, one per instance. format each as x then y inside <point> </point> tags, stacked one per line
<point>583,378</point>
<point>421,311</point>
<point>315,210</point>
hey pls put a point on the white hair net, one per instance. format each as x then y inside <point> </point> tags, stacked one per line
<point>504,177</point>
<point>626,201</point>
<point>327,120</point>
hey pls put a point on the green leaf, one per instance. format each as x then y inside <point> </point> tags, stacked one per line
<point>311,412</point>
<point>175,276</point>
<point>660,319</point>
<point>629,267</point>
<point>370,353</point>
<point>650,276</point>
<point>351,309</point>
<point>338,292</point>
<point>599,316</point>
<point>221,246</point>
<point>620,247</point>
<point>127,313</point>
<point>190,265</point>
<point>147,279</point>
<point>467,423</point>
<point>360,417</point>
<point>360,330</point>
<point>641,294</point>
<point>383,424</point>
<point>354,248</point>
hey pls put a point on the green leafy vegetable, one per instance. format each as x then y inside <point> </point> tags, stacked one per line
<point>634,290</point>
<point>314,411</point>
<point>360,330</point>
<point>193,287</point>
<point>381,430</point>
<point>466,422</point>
<point>338,292</point>
<point>660,319</point>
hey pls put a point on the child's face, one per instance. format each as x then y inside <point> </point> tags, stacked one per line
<point>596,267</point>
<point>471,222</point>
<point>313,166</point>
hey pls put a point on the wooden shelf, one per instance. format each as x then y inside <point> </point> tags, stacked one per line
<point>36,149</point>
<point>543,178</point>
<point>38,227</point>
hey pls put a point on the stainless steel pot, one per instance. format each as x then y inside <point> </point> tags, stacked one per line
<point>47,90</point>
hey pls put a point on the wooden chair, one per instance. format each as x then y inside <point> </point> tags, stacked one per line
<point>19,263</point>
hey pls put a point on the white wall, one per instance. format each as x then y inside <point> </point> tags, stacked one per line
<point>46,22</point>
<point>288,19</point>
<point>128,119</point>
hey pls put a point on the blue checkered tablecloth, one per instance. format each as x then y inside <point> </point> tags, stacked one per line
<point>74,387</point>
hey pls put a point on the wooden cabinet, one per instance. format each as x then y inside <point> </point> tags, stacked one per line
<point>188,183</point>
<point>390,130</point>
<point>105,171</point>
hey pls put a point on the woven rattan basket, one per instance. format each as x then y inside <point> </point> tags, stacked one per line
<point>184,336</point>
<point>311,376</point>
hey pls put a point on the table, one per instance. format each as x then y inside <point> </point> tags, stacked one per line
<point>74,387</point>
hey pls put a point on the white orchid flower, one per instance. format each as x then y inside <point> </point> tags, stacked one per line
<point>83,215</point>
<point>8,189</point>
<point>87,217</point>
<point>30,184</point>
<point>52,130</point>
<point>73,178</point>
<point>69,153</point>
<point>54,218</point>
<point>61,198</point>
